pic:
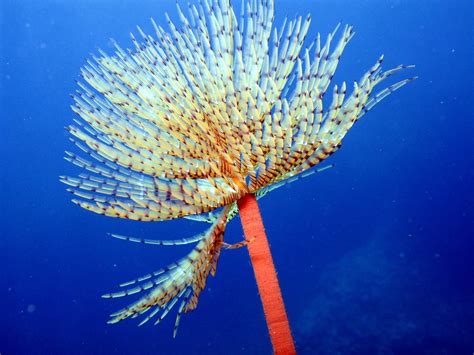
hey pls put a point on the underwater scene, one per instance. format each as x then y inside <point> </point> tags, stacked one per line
<point>237,177</point>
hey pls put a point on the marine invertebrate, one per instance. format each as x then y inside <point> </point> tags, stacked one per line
<point>199,117</point>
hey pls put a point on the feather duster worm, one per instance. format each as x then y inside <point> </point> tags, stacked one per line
<point>210,114</point>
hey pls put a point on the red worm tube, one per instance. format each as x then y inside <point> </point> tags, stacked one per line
<point>266,276</point>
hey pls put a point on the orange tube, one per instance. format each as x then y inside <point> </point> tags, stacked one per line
<point>265,273</point>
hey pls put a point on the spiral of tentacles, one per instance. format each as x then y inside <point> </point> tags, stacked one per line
<point>199,115</point>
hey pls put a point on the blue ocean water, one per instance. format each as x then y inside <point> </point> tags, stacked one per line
<point>374,256</point>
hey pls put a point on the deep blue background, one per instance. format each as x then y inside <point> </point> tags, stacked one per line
<point>374,255</point>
